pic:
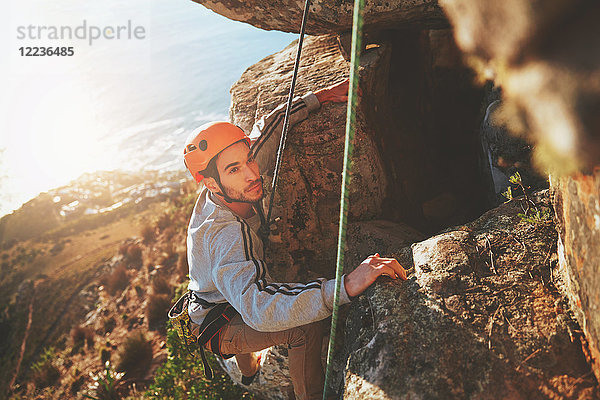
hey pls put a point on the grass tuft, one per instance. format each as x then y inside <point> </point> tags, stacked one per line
<point>82,335</point>
<point>156,311</point>
<point>45,373</point>
<point>117,280</point>
<point>148,234</point>
<point>135,356</point>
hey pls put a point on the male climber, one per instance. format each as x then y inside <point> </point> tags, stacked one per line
<point>225,253</point>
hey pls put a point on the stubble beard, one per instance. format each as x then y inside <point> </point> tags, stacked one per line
<point>244,196</point>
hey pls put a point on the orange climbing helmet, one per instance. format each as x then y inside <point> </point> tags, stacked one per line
<point>208,141</point>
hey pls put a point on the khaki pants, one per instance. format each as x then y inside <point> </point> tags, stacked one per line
<point>303,342</point>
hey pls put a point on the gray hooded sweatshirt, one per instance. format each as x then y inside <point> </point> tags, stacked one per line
<point>225,253</point>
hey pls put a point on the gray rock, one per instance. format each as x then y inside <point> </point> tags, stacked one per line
<point>456,329</point>
<point>273,382</point>
<point>327,17</point>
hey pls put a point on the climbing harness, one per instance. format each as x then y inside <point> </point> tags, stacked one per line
<point>357,24</point>
<point>210,330</point>
<point>266,229</point>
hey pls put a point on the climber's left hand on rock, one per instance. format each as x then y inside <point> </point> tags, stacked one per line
<point>369,270</point>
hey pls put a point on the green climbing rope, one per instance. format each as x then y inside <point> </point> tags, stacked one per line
<point>349,147</point>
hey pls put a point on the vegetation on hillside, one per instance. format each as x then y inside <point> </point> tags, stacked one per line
<point>84,305</point>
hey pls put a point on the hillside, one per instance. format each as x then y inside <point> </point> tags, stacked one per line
<point>73,295</point>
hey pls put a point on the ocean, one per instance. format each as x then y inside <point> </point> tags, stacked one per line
<point>123,103</point>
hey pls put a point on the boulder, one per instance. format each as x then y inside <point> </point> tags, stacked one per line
<point>479,318</point>
<point>576,200</point>
<point>273,382</point>
<point>416,149</point>
<point>364,238</point>
<point>330,17</point>
<point>308,192</point>
<point>543,54</point>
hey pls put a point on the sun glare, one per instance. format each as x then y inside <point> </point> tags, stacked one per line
<point>63,138</point>
<point>72,143</point>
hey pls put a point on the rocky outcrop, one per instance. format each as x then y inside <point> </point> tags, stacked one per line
<point>273,381</point>
<point>577,205</point>
<point>480,318</point>
<point>416,150</point>
<point>543,54</point>
<point>307,200</point>
<point>329,17</point>
<point>364,239</point>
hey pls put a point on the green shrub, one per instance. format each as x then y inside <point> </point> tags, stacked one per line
<point>77,384</point>
<point>168,257</point>
<point>57,248</point>
<point>182,377</point>
<point>123,247</point>
<point>109,324</point>
<point>168,233</point>
<point>135,356</point>
<point>105,355</point>
<point>164,221</point>
<point>182,265</point>
<point>134,255</point>
<point>537,217</point>
<point>139,291</point>
<point>156,311</point>
<point>106,384</point>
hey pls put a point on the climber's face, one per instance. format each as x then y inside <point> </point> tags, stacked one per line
<point>239,173</point>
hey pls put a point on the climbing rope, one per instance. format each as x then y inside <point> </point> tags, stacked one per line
<point>286,120</point>
<point>348,149</point>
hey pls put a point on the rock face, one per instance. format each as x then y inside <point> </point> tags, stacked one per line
<point>273,382</point>
<point>577,205</point>
<point>364,238</point>
<point>307,200</point>
<point>416,150</point>
<point>482,317</point>
<point>465,326</point>
<point>329,17</point>
<point>540,52</point>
